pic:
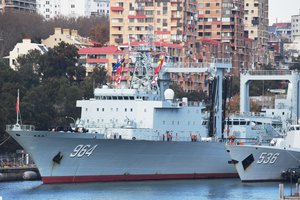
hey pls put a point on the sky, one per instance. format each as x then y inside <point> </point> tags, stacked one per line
<point>283,10</point>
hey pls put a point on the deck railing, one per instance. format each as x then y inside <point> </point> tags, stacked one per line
<point>268,72</point>
<point>10,127</point>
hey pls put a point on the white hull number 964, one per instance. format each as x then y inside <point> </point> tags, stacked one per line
<point>83,150</point>
<point>267,158</point>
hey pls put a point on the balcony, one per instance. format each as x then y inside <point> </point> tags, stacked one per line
<point>96,60</point>
<point>176,17</point>
<point>136,16</point>
<point>117,8</point>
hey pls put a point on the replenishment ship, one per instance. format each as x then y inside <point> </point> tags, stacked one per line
<point>136,133</point>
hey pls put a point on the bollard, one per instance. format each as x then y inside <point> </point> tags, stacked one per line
<point>296,194</point>
<point>281,191</point>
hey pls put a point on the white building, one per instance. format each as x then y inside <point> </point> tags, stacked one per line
<point>72,8</point>
<point>295,27</point>
<point>22,49</point>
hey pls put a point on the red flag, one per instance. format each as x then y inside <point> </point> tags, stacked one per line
<point>17,105</point>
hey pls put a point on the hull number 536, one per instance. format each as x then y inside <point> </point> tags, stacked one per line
<point>83,150</point>
<point>267,158</point>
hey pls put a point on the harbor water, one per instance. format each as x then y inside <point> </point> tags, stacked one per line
<point>217,189</point>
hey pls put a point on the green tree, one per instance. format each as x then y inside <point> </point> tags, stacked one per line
<point>99,76</point>
<point>59,61</point>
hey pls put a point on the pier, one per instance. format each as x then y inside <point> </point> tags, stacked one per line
<point>293,196</point>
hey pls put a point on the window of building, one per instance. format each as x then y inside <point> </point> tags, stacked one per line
<point>207,12</point>
<point>207,4</point>
<point>72,5</point>
<point>149,20</point>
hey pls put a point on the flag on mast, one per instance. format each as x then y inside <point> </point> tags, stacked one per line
<point>120,69</point>
<point>118,64</point>
<point>160,64</point>
<point>17,105</point>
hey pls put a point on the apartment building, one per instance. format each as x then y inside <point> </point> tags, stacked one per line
<point>16,5</point>
<point>72,8</point>
<point>295,27</point>
<point>256,27</point>
<point>283,29</point>
<point>68,36</point>
<point>222,20</point>
<point>171,21</point>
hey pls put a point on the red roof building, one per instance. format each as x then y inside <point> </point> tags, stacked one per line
<point>99,57</point>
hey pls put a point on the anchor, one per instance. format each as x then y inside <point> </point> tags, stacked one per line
<point>57,158</point>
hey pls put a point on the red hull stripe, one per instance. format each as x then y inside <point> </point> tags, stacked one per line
<point>137,177</point>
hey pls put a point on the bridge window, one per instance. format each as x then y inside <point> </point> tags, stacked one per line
<point>235,122</point>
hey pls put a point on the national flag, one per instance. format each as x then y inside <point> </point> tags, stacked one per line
<point>120,69</point>
<point>160,64</point>
<point>118,64</point>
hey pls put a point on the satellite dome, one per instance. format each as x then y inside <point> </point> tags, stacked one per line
<point>169,94</point>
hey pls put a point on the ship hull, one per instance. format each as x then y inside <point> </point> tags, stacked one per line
<point>263,163</point>
<point>82,157</point>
